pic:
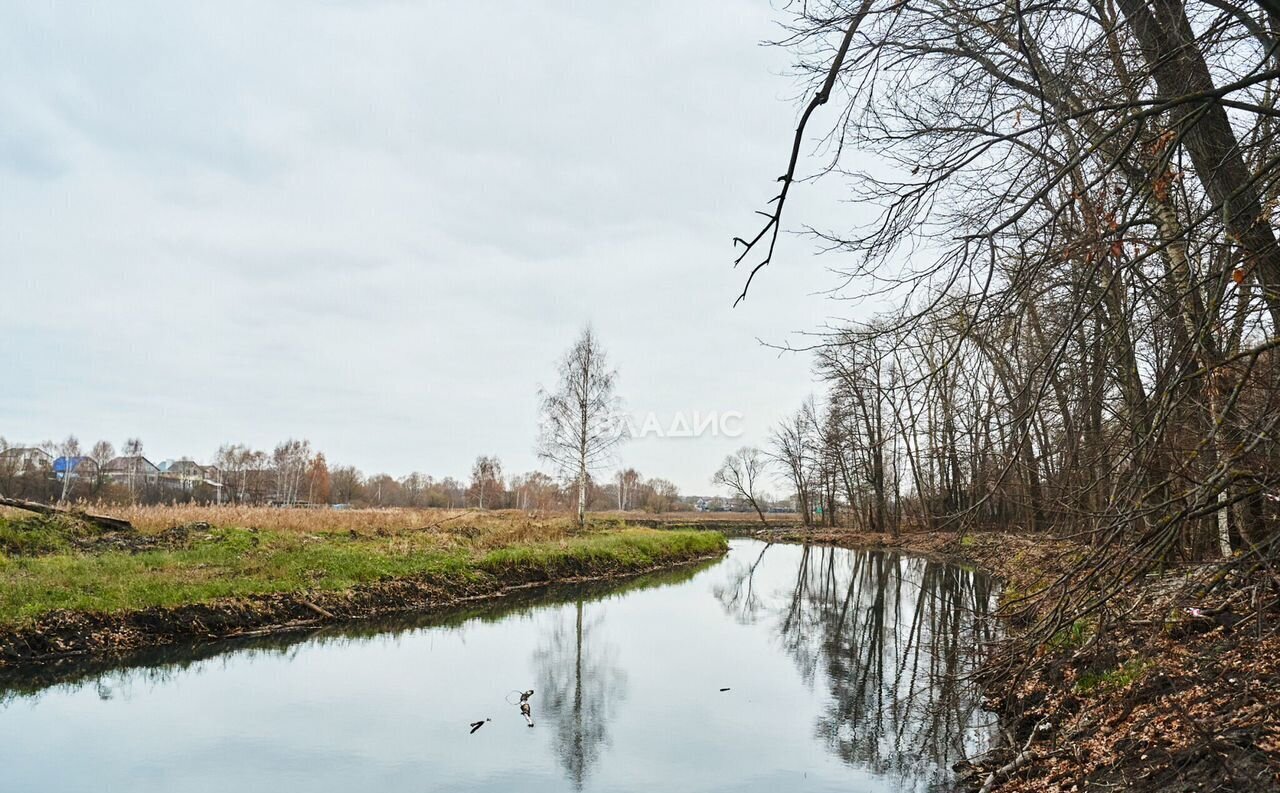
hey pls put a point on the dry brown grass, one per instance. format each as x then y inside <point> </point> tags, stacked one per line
<point>479,529</point>
<point>476,528</point>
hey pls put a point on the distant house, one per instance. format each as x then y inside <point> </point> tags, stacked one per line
<point>181,469</point>
<point>76,466</point>
<point>186,474</point>
<point>131,470</point>
<point>25,458</point>
<point>212,475</point>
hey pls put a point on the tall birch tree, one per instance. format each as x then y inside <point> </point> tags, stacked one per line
<point>580,426</point>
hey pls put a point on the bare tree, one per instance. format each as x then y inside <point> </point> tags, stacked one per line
<point>291,459</point>
<point>246,471</point>
<point>580,427</point>
<point>346,484</point>
<point>383,490</point>
<point>101,454</point>
<point>414,487</point>
<point>486,481</point>
<point>535,491</point>
<point>794,448</point>
<point>69,451</point>
<point>628,482</point>
<point>133,451</point>
<point>661,495</point>
<point>740,472</point>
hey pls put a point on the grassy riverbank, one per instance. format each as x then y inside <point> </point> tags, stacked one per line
<point>66,588</point>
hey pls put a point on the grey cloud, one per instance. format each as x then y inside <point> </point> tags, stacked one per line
<point>379,224</point>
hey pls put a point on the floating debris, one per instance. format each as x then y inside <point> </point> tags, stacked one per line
<point>525,709</point>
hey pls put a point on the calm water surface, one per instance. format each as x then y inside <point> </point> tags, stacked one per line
<point>845,671</point>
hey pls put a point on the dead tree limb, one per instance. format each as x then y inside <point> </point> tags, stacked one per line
<point>774,222</point>
<point>102,521</point>
<point>1007,770</point>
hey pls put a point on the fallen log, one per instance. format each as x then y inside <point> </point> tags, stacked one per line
<point>323,613</point>
<point>104,521</point>
<point>1010,768</point>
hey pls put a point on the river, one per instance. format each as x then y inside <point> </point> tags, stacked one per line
<point>846,670</point>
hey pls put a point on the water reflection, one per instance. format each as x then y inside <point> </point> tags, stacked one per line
<point>842,671</point>
<point>895,641</point>
<point>119,676</point>
<point>580,685</point>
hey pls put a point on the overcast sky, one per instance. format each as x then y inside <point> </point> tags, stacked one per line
<point>378,225</point>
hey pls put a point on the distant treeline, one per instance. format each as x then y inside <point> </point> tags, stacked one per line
<point>295,474</point>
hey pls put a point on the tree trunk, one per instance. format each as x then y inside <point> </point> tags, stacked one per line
<point>1168,45</point>
<point>758,512</point>
<point>103,521</point>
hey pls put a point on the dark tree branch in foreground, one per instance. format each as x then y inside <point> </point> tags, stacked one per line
<point>774,218</point>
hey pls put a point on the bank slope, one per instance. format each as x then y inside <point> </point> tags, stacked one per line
<point>217,583</point>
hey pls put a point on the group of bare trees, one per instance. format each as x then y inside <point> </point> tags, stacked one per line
<point>537,491</point>
<point>1076,240</point>
<point>291,473</point>
<point>489,488</point>
<point>834,461</point>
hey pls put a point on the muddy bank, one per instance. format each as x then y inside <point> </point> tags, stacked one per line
<point>163,659</point>
<point>1162,692</point>
<point>938,544</point>
<point>734,527</point>
<point>62,635</point>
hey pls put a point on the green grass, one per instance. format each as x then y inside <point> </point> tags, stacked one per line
<point>1112,679</point>
<point>39,534</point>
<point>1072,637</point>
<point>631,548</point>
<point>238,562</point>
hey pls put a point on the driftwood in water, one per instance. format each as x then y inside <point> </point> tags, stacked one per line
<point>104,521</point>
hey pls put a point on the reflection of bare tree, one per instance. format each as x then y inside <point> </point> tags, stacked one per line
<point>738,593</point>
<point>579,686</point>
<point>895,641</point>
